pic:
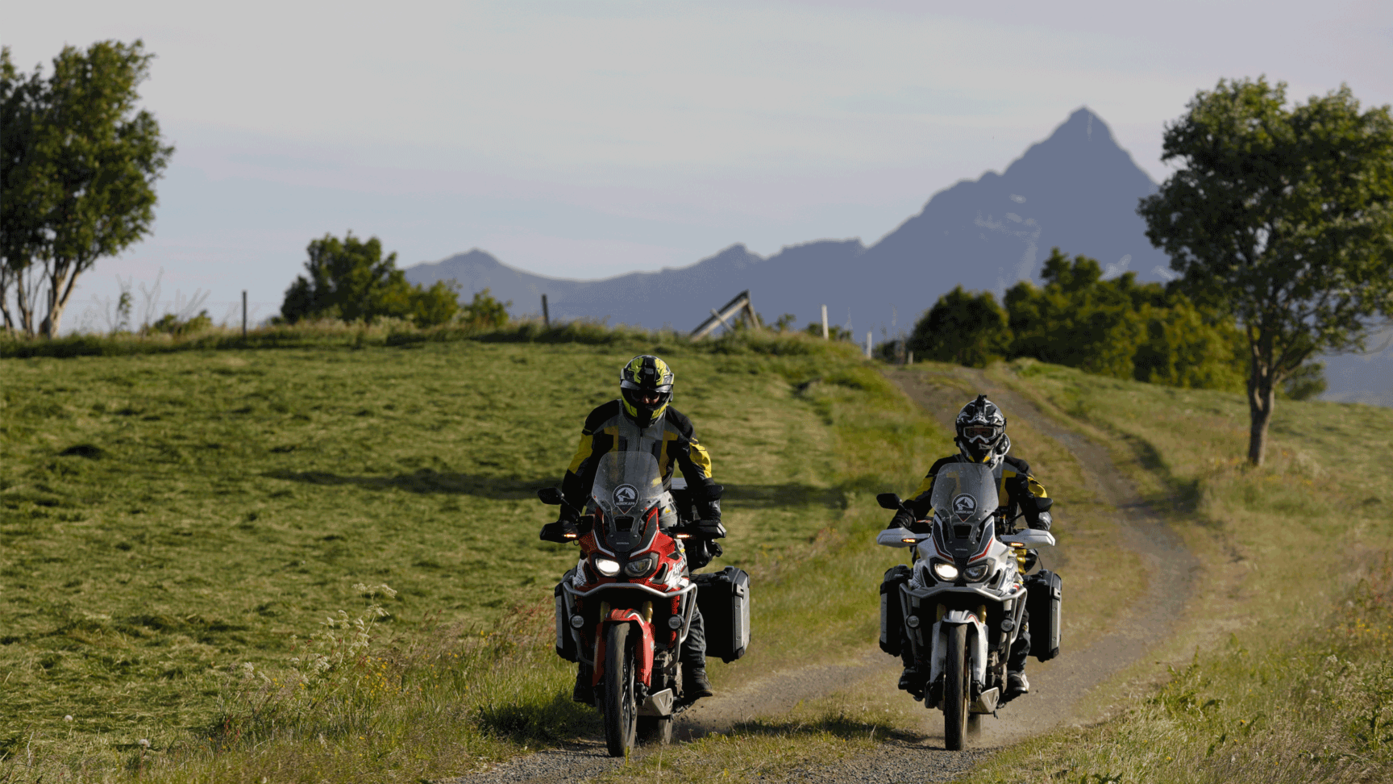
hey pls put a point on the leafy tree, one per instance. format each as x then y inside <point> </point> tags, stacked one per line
<point>350,280</point>
<point>78,165</point>
<point>1284,216</point>
<point>969,329</point>
<point>485,312</point>
<point>1121,328</point>
<point>1078,319</point>
<point>1185,345</point>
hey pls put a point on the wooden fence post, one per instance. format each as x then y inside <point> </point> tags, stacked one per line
<point>546,316</point>
<point>824,322</point>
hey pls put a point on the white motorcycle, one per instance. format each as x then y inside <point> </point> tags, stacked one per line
<point>959,607</point>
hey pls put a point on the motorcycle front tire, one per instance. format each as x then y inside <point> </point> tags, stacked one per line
<point>955,689</point>
<point>620,706</point>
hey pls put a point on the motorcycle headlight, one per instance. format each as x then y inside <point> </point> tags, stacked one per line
<point>977,573</point>
<point>641,567</point>
<point>607,566</point>
<point>945,571</point>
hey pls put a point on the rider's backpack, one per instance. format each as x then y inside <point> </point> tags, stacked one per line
<point>1044,589</point>
<point>724,600</point>
<point>891,612</point>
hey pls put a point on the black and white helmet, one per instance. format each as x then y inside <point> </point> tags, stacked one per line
<point>982,432</point>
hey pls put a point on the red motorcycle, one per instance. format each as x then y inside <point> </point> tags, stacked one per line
<point>626,608</point>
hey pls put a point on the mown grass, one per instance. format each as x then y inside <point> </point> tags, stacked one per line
<point>1289,637</point>
<point>190,536</point>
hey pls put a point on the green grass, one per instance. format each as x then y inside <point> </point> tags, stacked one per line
<point>178,526</point>
<point>1291,631</point>
<point>178,523</point>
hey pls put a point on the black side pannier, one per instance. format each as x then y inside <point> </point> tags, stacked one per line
<point>724,600</point>
<point>891,612</point>
<point>1044,589</point>
<point>565,641</point>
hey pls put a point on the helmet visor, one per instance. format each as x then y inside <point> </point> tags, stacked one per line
<point>981,434</point>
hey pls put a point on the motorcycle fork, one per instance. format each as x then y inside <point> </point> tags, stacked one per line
<point>642,620</point>
<point>976,644</point>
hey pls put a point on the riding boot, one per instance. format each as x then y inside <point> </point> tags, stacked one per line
<point>583,692</point>
<point>1016,682</point>
<point>911,680</point>
<point>695,684</point>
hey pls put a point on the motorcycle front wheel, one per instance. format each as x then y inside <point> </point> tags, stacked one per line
<point>955,689</point>
<point>620,707</point>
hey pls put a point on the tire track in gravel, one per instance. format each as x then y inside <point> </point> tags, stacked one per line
<point>1057,686</point>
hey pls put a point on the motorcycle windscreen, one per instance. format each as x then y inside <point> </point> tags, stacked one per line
<point>627,485</point>
<point>964,499</point>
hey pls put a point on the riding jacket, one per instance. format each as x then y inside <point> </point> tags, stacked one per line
<point>670,439</point>
<point>1017,490</point>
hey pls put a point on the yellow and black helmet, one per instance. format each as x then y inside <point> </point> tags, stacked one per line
<point>645,385</point>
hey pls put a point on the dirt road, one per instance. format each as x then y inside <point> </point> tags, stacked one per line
<point>1058,686</point>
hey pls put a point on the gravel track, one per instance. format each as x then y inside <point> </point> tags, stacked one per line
<point>1057,686</point>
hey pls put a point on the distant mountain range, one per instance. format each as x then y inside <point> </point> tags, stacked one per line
<point>1077,190</point>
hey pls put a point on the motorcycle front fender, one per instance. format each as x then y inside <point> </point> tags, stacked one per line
<point>976,644</point>
<point>644,643</point>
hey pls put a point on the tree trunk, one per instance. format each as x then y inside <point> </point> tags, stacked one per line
<point>1261,395</point>
<point>24,305</point>
<point>60,288</point>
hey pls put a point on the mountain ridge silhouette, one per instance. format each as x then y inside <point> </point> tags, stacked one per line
<point>1076,189</point>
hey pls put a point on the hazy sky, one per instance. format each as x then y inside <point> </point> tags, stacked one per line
<point>587,139</point>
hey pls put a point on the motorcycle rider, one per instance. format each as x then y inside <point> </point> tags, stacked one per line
<point>981,438</point>
<point>641,419</point>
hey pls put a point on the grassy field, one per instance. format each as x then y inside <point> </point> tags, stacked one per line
<point>1290,677</point>
<point>225,553</point>
<point>313,557</point>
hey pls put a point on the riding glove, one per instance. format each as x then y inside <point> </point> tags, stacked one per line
<point>902,519</point>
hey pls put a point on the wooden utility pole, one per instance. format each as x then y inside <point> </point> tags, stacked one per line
<point>546,317</point>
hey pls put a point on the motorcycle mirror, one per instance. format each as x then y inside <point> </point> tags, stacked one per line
<point>888,501</point>
<point>551,496</point>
